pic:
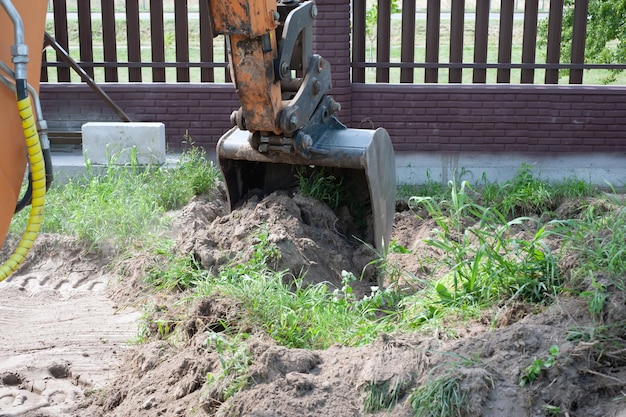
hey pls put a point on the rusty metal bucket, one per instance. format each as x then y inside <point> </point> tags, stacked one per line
<point>363,160</point>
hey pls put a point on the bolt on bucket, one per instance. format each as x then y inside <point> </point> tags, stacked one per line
<point>361,162</point>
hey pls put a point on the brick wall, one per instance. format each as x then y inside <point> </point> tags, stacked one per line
<point>485,118</point>
<point>201,111</point>
<point>495,118</point>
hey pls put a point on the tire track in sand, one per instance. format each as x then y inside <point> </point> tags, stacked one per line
<point>60,336</point>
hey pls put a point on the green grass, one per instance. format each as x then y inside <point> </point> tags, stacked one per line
<point>321,186</point>
<point>489,259</point>
<point>294,314</point>
<point>126,203</point>
<point>440,397</point>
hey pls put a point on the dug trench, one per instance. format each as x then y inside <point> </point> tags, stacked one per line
<point>68,319</point>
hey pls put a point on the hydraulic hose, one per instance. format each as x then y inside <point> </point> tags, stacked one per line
<point>33,147</point>
<point>38,171</point>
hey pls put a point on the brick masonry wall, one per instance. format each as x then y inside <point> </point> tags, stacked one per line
<point>200,111</point>
<point>440,118</point>
<point>495,118</point>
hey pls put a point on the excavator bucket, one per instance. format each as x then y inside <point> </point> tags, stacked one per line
<point>286,126</point>
<point>361,161</point>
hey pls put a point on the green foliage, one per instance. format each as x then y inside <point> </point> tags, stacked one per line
<point>552,410</point>
<point>174,272</point>
<point>121,204</point>
<point>525,194</point>
<point>598,239</point>
<point>382,396</point>
<point>487,260</point>
<point>320,185</point>
<point>535,369</point>
<point>296,314</point>
<point>371,21</point>
<point>440,397</point>
<point>596,297</point>
<point>604,41</point>
<point>234,360</point>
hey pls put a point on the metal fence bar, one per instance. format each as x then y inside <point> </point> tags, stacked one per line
<point>553,53</point>
<point>48,40</point>
<point>358,39</point>
<point>407,54</point>
<point>97,64</point>
<point>407,65</point>
<point>85,34</point>
<point>157,39</point>
<point>207,75</point>
<point>467,65</point>
<point>529,40</point>
<point>44,67</point>
<point>383,39</point>
<point>433,29</point>
<point>457,31</point>
<point>133,39</point>
<point>505,42</point>
<point>61,36</point>
<point>579,33</point>
<point>109,42</point>
<point>182,39</point>
<point>481,40</point>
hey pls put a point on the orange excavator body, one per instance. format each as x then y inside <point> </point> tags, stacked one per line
<point>13,155</point>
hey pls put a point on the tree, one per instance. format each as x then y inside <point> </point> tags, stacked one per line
<point>606,33</point>
<point>371,23</point>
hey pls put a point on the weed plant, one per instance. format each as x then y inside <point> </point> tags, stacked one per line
<point>321,186</point>
<point>525,194</point>
<point>536,368</point>
<point>487,262</point>
<point>599,238</point>
<point>440,397</point>
<point>382,396</point>
<point>234,359</point>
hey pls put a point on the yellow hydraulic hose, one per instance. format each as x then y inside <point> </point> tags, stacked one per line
<point>38,172</point>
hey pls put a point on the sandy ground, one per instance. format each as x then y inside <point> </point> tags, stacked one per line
<point>61,336</point>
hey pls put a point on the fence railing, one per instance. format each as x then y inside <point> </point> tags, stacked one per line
<point>505,52</point>
<point>137,46</point>
<point>475,44</point>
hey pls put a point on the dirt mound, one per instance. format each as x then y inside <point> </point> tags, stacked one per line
<point>313,241</point>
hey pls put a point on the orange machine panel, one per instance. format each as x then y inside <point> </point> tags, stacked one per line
<point>12,151</point>
<point>243,17</point>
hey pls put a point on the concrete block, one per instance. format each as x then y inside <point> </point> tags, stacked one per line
<point>113,142</point>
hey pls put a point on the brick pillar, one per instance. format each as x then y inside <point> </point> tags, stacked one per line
<point>331,40</point>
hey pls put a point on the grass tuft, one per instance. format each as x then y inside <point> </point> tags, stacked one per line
<point>125,203</point>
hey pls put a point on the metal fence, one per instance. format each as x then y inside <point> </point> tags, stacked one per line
<point>490,48</point>
<point>110,40</point>
<point>466,43</point>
